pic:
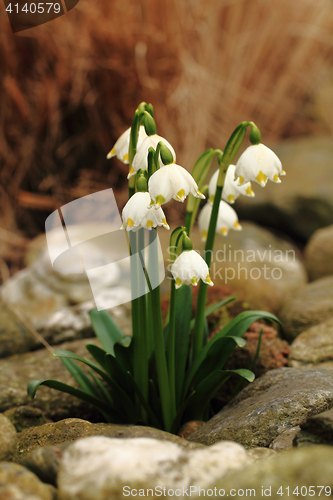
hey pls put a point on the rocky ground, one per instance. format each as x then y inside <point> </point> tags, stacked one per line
<point>274,438</point>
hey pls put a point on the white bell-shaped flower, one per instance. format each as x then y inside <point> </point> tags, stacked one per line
<point>227,219</point>
<point>188,268</point>
<point>120,149</point>
<point>231,188</point>
<point>172,181</point>
<point>137,213</point>
<point>140,160</point>
<point>258,163</point>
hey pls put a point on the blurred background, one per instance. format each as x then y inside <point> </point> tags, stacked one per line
<point>69,89</point>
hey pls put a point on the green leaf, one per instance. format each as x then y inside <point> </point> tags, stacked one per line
<point>105,328</point>
<point>98,354</point>
<point>151,415</point>
<point>62,353</point>
<point>213,308</point>
<point>68,389</point>
<point>183,313</point>
<point>124,356</point>
<point>216,357</point>
<point>206,390</point>
<point>235,328</point>
<point>79,375</point>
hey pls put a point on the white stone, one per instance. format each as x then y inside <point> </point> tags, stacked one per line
<point>99,467</point>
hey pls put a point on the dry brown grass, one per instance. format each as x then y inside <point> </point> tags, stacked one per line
<point>68,88</point>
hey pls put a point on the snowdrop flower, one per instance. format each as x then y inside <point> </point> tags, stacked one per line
<point>259,163</point>
<point>137,213</point>
<point>231,188</point>
<point>120,149</point>
<point>227,219</point>
<point>140,160</point>
<point>172,181</point>
<point>188,268</point>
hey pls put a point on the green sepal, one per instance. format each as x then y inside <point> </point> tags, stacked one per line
<point>164,151</point>
<point>255,135</point>
<point>149,123</point>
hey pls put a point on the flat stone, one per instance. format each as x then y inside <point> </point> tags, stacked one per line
<point>18,483</point>
<point>303,202</point>
<point>284,472</point>
<point>23,417</point>
<point>277,401</point>
<point>313,346</point>
<point>18,370</point>
<point>104,468</point>
<point>310,305</point>
<point>319,253</point>
<point>8,438</point>
<point>71,429</point>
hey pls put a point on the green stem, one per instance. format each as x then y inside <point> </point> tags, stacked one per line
<point>159,346</point>
<point>188,222</point>
<point>171,346</point>
<point>201,302</point>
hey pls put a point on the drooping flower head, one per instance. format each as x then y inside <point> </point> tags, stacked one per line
<point>227,219</point>
<point>140,160</point>
<point>231,188</point>
<point>172,181</point>
<point>188,268</point>
<point>259,163</point>
<point>137,213</point>
<point>121,147</point>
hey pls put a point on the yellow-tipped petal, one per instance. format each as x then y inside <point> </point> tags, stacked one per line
<point>211,198</point>
<point>204,235</point>
<point>181,194</point>
<point>283,172</point>
<point>276,178</point>
<point>200,195</point>
<point>125,157</point>
<point>150,223</point>
<point>208,281</point>
<point>194,281</point>
<point>129,222</point>
<point>178,282</point>
<point>241,180</point>
<point>237,225</point>
<point>224,231</point>
<point>249,191</point>
<point>112,153</point>
<point>261,178</point>
<point>231,198</point>
<point>165,224</point>
<point>159,200</point>
<point>132,171</point>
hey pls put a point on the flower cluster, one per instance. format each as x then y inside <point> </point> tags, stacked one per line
<point>171,181</point>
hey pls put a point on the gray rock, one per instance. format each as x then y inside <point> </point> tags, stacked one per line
<point>44,462</point>
<point>284,472</point>
<point>18,483</point>
<point>310,305</point>
<point>285,441</point>
<point>14,335</point>
<point>72,429</point>
<point>319,253</point>
<point>18,370</point>
<point>274,403</point>
<point>303,202</point>
<point>100,467</point>
<point>313,346</point>
<point>8,438</point>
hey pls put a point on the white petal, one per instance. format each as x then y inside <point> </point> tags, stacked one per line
<point>135,210</point>
<point>120,149</point>
<point>258,163</point>
<point>188,268</point>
